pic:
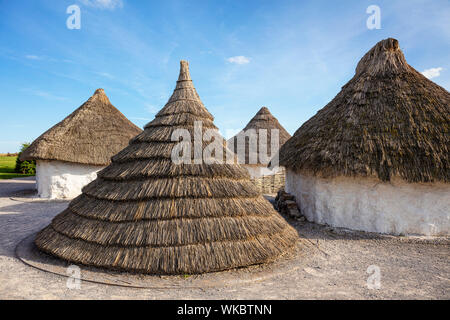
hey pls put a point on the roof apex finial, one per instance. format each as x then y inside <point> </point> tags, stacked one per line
<point>184,71</point>
<point>385,57</point>
<point>100,95</point>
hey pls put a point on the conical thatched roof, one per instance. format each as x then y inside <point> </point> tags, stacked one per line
<point>91,134</point>
<point>262,120</point>
<point>144,213</point>
<point>388,120</point>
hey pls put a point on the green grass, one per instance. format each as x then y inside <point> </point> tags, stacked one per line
<point>7,165</point>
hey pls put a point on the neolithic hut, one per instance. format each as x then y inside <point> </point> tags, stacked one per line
<point>376,157</point>
<point>256,144</point>
<point>146,213</point>
<point>69,154</point>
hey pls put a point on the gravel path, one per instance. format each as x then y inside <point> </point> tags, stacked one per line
<point>334,268</point>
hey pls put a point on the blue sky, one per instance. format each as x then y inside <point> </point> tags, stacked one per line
<point>291,56</point>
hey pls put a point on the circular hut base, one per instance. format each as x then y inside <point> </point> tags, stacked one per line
<point>30,195</point>
<point>366,204</point>
<point>28,253</point>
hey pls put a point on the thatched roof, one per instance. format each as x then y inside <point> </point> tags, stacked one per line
<point>91,134</point>
<point>146,214</point>
<point>262,120</point>
<point>388,120</point>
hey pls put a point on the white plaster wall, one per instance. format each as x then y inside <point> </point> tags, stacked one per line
<point>257,172</point>
<point>367,204</point>
<point>63,180</point>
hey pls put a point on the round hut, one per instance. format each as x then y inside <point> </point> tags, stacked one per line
<point>256,145</point>
<point>145,213</point>
<point>376,157</point>
<point>69,154</point>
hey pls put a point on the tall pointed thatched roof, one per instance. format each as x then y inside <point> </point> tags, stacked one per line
<point>262,120</point>
<point>144,213</point>
<point>388,120</point>
<point>91,134</point>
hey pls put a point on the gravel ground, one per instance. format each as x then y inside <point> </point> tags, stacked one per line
<point>334,267</point>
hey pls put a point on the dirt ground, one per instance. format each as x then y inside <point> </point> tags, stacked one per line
<point>336,264</point>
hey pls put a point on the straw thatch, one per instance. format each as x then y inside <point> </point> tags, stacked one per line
<point>90,135</point>
<point>262,120</point>
<point>388,120</point>
<point>262,124</point>
<point>146,214</point>
<point>270,183</point>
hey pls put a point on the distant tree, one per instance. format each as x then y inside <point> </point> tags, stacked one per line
<point>25,167</point>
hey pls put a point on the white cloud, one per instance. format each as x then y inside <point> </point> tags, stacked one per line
<point>103,4</point>
<point>239,60</point>
<point>105,75</point>
<point>151,108</point>
<point>33,57</point>
<point>432,72</point>
<point>44,94</point>
<point>139,118</point>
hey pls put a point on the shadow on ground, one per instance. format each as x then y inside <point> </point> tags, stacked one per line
<point>9,187</point>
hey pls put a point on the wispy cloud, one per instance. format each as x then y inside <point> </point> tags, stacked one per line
<point>42,58</point>
<point>33,57</point>
<point>432,72</point>
<point>151,108</point>
<point>16,125</point>
<point>139,118</point>
<point>239,60</point>
<point>44,94</point>
<point>103,4</point>
<point>105,75</point>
